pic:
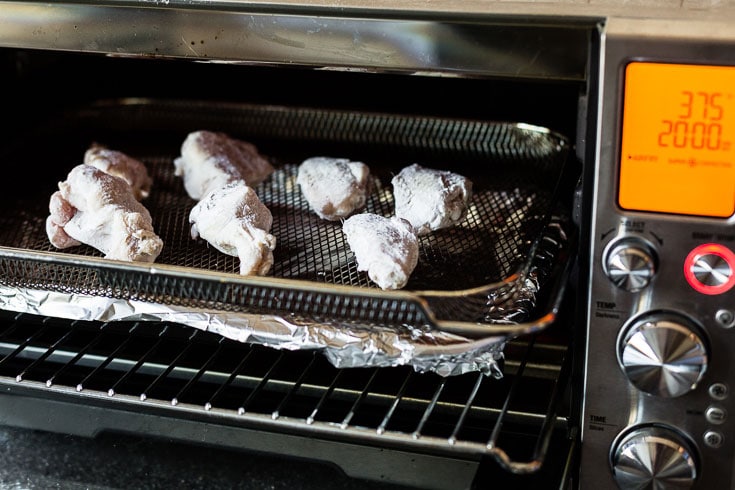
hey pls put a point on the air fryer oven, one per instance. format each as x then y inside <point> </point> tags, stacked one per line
<point>512,425</point>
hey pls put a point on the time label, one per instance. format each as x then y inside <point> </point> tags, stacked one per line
<point>677,153</point>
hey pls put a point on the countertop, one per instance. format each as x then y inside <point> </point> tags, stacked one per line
<point>43,460</point>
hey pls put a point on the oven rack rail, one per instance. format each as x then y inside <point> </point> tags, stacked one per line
<point>168,370</point>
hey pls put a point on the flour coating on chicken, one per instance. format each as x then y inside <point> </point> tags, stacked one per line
<point>101,210</point>
<point>234,221</point>
<point>387,248</point>
<point>116,163</point>
<point>431,199</point>
<point>334,187</point>
<point>210,160</point>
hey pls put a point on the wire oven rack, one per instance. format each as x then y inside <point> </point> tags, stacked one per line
<point>465,275</point>
<point>165,380</point>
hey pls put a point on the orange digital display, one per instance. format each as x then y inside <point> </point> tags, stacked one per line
<point>678,139</point>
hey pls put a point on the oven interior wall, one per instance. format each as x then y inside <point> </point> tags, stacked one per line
<point>42,81</point>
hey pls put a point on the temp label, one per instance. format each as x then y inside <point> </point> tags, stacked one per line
<point>678,139</point>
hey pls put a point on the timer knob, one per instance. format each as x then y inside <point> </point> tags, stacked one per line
<point>663,354</point>
<point>653,457</point>
<point>630,264</point>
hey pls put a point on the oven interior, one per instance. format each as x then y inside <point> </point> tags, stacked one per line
<point>170,381</point>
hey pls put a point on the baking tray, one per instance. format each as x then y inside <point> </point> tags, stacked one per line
<point>481,278</point>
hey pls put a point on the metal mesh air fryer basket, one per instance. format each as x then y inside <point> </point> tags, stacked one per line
<point>465,276</point>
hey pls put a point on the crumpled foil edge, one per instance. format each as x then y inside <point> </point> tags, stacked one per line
<point>344,345</point>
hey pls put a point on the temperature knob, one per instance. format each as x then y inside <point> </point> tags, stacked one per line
<point>653,457</point>
<point>663,354</point>
<point>630,264</point>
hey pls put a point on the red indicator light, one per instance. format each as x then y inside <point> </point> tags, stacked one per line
<point>710,269</point>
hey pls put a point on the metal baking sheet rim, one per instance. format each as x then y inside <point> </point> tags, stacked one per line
<point>425,350</point>
<point>345,344</point>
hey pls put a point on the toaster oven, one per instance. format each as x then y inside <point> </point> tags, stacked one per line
<point>571,333</point>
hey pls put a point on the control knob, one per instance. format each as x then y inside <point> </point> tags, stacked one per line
<point>653,457</point>
<point>709,269</point>
<point>630,264</point>
<point>663,354</point>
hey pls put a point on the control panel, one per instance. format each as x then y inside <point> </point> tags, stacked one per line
<point>659,411</point>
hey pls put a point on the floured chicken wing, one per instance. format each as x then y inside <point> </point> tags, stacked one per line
<point>387,248</point>
<point>334,187</point>
<point>235,222</point>
<point>100,210</point>
<point>431,199</point>
<point>209,160</point>
<point>116,163</point>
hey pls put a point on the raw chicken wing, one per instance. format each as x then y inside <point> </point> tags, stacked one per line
<point>209,160</point>
<point>235,222</point>
<point>431,199</point>
<point>100,210</point>
<point>121,165</point>
<point>387,248</point>
<point>333,187</point>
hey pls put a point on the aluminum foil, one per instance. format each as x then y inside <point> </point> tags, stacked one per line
<point>344,345</point>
